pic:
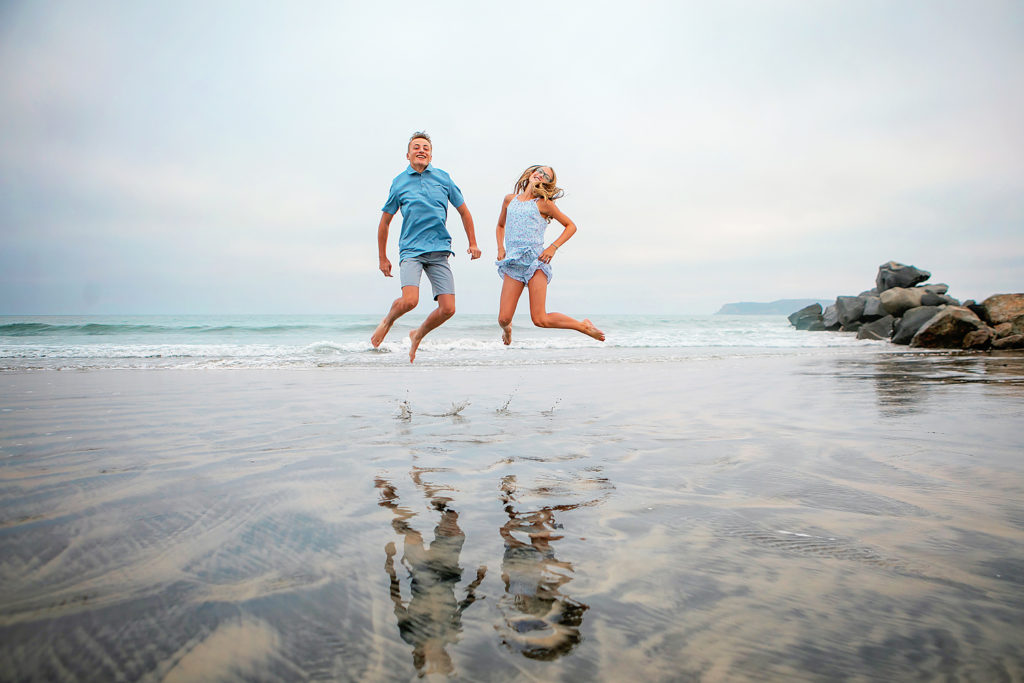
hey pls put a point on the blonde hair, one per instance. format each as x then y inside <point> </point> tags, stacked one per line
<point>546,190</point>
<point>419,134</point>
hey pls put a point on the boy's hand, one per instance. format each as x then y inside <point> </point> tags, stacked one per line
<point>385,266</point>
<point>474,252</point>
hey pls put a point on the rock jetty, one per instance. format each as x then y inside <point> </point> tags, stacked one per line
<point>904,309</point>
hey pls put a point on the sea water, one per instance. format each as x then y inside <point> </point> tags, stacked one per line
<point>297,341</point>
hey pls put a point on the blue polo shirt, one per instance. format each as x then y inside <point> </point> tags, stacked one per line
<point>423,199</point>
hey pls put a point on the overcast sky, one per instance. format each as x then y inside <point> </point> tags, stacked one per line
<point>233,157</point>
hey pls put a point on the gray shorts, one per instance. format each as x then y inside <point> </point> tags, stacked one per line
<point>435,263</point>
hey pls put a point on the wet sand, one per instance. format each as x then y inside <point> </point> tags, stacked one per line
<point>803,517</point>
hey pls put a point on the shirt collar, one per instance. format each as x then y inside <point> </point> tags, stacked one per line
<point>412,171</point>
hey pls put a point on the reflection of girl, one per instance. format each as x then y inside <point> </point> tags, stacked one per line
<point>523,261</point>
<point>540,622</point>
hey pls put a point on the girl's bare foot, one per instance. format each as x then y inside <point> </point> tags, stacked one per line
<point>415,338</point>
<point>506,335</point>
<point>590,330</point>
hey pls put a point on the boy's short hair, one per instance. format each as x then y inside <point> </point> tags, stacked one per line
<point>419,134</point>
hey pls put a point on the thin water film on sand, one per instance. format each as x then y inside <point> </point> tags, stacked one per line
<point>773,518</point>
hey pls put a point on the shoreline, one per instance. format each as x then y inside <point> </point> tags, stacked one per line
<point>442,360</point>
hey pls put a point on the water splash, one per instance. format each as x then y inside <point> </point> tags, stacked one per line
<point>503,410</point>
<point>551,411</point>
<point>457,407</point>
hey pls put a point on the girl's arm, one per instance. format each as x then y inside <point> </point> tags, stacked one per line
<point>548,208</point>
<point>499,232</point>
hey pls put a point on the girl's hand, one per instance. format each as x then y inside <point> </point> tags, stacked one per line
<point>501,253</point>
<point>548,254</point>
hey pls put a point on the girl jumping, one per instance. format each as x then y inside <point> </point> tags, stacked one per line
<point>522,259</point>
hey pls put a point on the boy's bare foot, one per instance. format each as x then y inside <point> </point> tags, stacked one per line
<point>378,334</point>
<point>506,335</point>
<point>589,329</point>
<point>415,338</point>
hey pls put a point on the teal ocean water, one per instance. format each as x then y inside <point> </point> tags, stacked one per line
<point>296,341</point>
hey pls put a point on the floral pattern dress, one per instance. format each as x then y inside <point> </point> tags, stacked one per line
<point>524,241</point>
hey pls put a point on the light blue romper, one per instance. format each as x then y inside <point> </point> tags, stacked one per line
<point>524,241</point>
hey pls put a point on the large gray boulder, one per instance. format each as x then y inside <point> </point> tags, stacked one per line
<point>911,322</point>
<point>849,309</point>
<point>877,329</point>
<point>899,300</point>
<point>873,309</point>
<point>831,318</point>
<point>1003,308</point>
<point>894,274</point>
<point>807,318</point>
<point>947,329</point>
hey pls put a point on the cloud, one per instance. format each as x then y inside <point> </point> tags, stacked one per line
<point>709,151</point>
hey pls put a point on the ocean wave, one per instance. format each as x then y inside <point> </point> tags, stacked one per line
<point>368,361</point>
<point>146,351</point>
<point>463,345</point>
<point>48,329</point>
<point>36,329</point>
<point>344,341</point>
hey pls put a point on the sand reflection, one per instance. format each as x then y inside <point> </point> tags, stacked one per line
<point>904,382</point>
<point>539,621</point>
<point>431,619</point>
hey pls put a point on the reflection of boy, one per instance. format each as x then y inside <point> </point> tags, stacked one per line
<point>432,619</point>
<point>422,193</point>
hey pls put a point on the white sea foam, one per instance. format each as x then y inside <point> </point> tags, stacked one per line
<point>343,341</point>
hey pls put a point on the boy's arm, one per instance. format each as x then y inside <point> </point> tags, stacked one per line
<point>467,223</point>
<point>382,242</point>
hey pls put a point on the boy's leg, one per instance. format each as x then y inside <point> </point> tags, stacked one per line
<point>443,283</point>
<point>399,307</point>
<point>444,311</point>
<point>410,270</point>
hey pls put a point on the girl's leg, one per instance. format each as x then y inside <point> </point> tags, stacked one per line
<point>511,290</point>
<point>541,318</point>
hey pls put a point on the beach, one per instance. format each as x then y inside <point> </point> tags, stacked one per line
<point>853,513</point>
<point>224,458</point>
